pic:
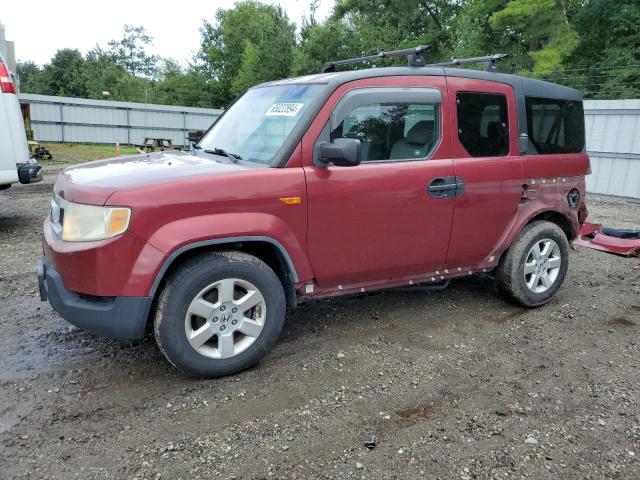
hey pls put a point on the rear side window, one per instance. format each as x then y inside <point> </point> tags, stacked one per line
<point>483,124</point>
<point>555,126</point>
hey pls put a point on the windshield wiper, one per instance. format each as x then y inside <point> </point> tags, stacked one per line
<point>235,158</point>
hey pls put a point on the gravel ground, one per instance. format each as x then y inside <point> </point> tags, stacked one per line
<point>455,384</point>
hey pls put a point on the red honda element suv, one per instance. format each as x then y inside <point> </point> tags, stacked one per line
<point>319,186</point>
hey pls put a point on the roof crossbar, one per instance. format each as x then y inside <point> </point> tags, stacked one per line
<point>488,60</point>
<point>413,54</point>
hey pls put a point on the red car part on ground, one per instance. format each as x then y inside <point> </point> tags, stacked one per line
<point>620,242</point>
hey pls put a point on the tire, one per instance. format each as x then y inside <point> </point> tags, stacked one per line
<point>200,325</point>
<point>523,274</point>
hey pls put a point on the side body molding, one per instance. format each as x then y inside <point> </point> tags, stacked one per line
<point>222,241</point>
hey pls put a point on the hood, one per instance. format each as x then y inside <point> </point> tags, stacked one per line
<point>94,182</point>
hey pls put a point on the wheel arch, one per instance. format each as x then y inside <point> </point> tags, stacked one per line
<point>559,219</point>
<point>554,216</point>
<point>265,248</point>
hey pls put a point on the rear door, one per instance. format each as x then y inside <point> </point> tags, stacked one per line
<point>484,143</point>
<point>376,222</point>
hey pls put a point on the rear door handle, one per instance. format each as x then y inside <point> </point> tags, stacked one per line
<point>445,187</point>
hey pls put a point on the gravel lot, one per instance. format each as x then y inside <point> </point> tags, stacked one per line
<point>455,384</point>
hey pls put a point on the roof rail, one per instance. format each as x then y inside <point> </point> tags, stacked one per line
<point>415,59</point>
<point>488,60</point>
<point>413,54</point>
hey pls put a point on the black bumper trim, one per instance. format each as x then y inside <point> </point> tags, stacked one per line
<point>29,173</point>
<point>117,317</point>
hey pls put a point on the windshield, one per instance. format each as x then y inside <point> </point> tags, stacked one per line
<point>257,125</point>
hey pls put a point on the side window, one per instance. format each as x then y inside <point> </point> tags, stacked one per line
<point>391,131</point>
<point>483,124</point>
<point>555,126</point>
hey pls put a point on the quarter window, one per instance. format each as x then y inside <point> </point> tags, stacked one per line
<point>555,126</point>
<point>391,131</point>
<point>483,124</point>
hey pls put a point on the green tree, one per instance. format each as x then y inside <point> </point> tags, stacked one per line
<point>130,51</point>
<point>102,73</point>
<point>65,75</point>
<point>224,42</point>
<point>30,76</point>
<point>543,26</point>
<point>322,42</point>
<point>392,24</point>
<point>607,62</point>
<point>134,89</point>
<point>188,87</point>
<point>249,68</point>
<point>472,36</point>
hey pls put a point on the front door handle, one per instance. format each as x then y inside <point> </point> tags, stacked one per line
<point>445,187</point>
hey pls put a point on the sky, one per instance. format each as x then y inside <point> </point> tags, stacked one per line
<point>40,27</point>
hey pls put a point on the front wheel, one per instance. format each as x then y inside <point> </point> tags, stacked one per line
<point>534,267</point>
<point>219,313</point>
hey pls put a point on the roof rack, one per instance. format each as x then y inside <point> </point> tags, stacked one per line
<point>414,56</point>
<point>415,59</point>
<point>488,60</point>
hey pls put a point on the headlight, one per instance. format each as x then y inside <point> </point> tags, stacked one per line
<point>88,222</point>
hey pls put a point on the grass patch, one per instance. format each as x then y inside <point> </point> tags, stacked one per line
<point>81,152</point>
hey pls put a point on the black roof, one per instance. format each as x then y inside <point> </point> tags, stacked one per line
<point>523,86</point>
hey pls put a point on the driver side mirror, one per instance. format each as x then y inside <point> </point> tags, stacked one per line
<point>342,152</point>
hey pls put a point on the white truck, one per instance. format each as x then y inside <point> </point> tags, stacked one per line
<point>15,164</point>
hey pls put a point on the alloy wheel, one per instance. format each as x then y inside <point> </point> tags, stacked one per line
<point>225,318</point>
<point>542,265</point>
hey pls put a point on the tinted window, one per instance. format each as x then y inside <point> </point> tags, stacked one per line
<point>483,124</point>
<point>555,126</point>
<point>392,131</point>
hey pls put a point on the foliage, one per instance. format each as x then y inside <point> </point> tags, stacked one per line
<point>607,62</point>
<point>129,52</point>
<point>65,74</point>
<point>30,76</point>
<point>592,45</point>
<point>543,26</point>
<point>392,24</point>
<point>248,44</point>
<point>320,43</point>
<point>102,73</point>
<point>476,37</point>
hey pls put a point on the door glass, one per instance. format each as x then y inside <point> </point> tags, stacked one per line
<point>483,124</point>
<point>555,126</point>
<point>392,131</point>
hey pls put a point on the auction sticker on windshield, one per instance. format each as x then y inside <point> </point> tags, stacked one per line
<point>284,109</point>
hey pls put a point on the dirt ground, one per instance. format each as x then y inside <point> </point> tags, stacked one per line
<point>455,384</point>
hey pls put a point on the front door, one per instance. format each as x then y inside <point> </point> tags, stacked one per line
<point>378,222</point>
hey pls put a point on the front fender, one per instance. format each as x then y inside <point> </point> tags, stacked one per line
<point>221,228</point>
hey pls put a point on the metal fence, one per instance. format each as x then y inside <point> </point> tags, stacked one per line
<point>613,143</point>
<point>65,119</point>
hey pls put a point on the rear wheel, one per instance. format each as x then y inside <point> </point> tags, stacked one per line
<point>219,313</point>
<point>534,267</point>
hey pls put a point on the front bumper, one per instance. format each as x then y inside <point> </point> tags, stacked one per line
<point>118,317</point>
